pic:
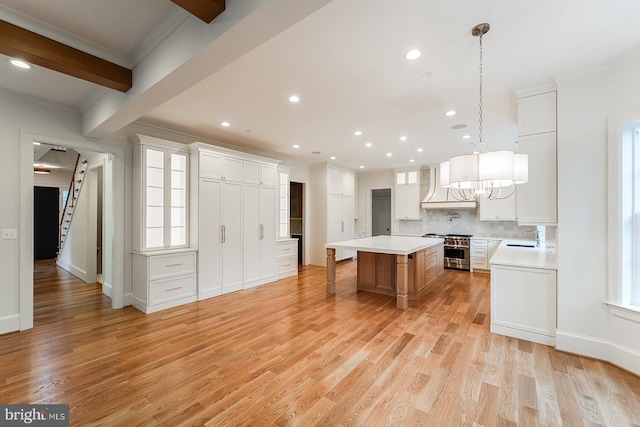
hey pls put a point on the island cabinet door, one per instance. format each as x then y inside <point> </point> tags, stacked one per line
<point>377,272</point>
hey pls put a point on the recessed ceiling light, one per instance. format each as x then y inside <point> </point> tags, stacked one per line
<point>389,154</point>
<point>403,138</point>
<point>296,146</point>
<point>413,54</point>
<point>450,113</point>
<point>419,150</point>
<point>20,63</point>
<point>368,144</point>
<point>459,126</point>
<point>36,143</point>
<point>294,98</point>
<point>332,157</point>
<point>412,160</point>
<point>316,152</point>
<point>225,124</point>
<point>361,167</point>
<point>466,136</point>
<point>358,133</point>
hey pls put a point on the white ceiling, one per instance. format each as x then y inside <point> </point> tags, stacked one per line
<point>346,63</point>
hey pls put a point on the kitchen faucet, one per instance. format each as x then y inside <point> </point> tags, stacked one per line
<point>452,215</point>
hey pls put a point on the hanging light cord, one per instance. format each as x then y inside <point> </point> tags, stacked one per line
<point>481,146</point>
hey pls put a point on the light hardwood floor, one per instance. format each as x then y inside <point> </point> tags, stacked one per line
<point>288,354</point>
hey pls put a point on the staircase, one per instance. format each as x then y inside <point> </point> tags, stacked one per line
<point>77,180</point>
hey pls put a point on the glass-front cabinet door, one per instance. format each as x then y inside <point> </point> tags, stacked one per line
<point>163,197</point>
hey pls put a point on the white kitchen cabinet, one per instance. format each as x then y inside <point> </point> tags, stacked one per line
<point>287,258</point>
<point>332,211</point>
<point>498,209</point>
<point>407,195</point>
<point>233,221</point>
<point>259,173</point>
<point>160,198</point>
<point>220,242</point>
<point>217,166</point>
<point>479,255</point>
<point>163,280</point>
<point>523,303</point>
<point>259,231</point>
<point>536,202</point>
<point>537,113</point>
<point>481,251</point>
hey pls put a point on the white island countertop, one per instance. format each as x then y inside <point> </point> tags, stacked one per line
<point>397,245</point>
<point>535,257</point>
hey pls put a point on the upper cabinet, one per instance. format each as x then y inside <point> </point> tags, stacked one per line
<point>160,199</point>
<point>407,194</point>
<point>536,202</point>
<point>537,113</point>
<point>340,182</point>
<point>498,209</point>
<point>259,173</point>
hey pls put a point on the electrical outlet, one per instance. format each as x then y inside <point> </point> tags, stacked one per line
<point>9,234</point>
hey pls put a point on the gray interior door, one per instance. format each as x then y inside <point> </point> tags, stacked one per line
<point>381,212</point>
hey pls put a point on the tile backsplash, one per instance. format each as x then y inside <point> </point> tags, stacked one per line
<point>464,221</point>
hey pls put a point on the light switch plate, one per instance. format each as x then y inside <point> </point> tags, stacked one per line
<point>9,234</point>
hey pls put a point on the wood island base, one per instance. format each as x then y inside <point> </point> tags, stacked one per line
<point>403,276</point>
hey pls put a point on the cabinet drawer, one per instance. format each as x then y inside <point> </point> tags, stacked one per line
<point>478,252</point>
<point>431,251</point>
<point>170,265</point>
<point>286,248</point>
<point>480,263</point>
<point>169,289</point>
<point>475,243</point>
<point>287,264</point>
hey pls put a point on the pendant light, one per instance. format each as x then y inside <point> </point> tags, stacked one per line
<point>492,174</point>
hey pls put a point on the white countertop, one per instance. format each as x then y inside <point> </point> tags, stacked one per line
<point>398,245</point>
<point>536,257</point>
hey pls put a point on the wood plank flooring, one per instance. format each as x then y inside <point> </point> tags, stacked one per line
<point>286,354</point>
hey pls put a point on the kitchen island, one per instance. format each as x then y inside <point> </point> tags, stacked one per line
<point>400,266</point>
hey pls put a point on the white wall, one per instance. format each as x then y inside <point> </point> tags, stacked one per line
<point>366,183</point>
<point>80,244</point>
<point>17,116</point>
<point>585,325</point>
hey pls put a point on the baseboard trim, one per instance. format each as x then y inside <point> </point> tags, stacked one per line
<point>9,324</point>
<point>128,299</point>
<point>107,289</point>
<point>616,354</point>
<point>80,274</point>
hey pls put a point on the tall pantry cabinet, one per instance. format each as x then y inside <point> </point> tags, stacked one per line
<point>332,211</point>
<point>233,219</point>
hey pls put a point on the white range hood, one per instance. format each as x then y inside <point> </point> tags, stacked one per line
<point>440,197</point>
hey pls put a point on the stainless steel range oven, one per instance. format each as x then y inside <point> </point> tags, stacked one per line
<point>456,250</point>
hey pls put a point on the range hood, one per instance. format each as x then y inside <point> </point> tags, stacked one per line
<point>440,197</point>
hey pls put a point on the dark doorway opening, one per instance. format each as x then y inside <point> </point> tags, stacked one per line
<point>46,213</point>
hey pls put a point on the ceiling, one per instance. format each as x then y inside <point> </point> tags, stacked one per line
<point>343,58</point>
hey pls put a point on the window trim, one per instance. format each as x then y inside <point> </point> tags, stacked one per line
<point>621,130</point>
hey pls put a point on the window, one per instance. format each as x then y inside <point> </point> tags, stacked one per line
<point>624,211</point>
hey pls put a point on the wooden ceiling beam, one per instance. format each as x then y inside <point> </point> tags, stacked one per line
<point>33,48</point>
<point>206,10</point>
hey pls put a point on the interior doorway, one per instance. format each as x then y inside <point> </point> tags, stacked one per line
<point>296,215</point>
<point>381,212</point>
<point>45,222</point>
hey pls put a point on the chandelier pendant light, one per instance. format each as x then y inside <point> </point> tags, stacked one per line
<point>491,174</point>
